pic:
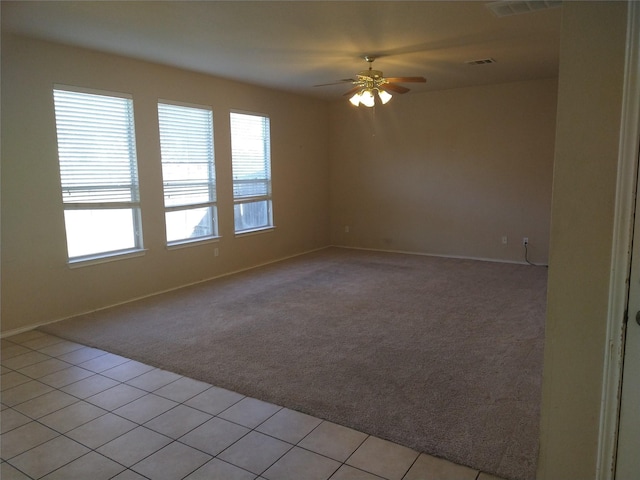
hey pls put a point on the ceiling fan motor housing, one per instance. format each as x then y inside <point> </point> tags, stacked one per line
<point>375,74</point>
<point>370,79</point>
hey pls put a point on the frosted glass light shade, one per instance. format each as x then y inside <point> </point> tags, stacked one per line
<point>355,99</point>
<point>384,96</point>
<point>367,99</point>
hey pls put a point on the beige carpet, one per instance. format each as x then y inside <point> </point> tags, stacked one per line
<point>441,355</point>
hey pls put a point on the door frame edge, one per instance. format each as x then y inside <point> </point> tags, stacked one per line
<point>626,188</point>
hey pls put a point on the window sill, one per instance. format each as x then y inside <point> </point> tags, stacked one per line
<point>190,243</point>
<point>110,257</point>
<point>257,231</point>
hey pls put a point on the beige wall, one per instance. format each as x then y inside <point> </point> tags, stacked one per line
<point>37,284</point>
<point>447,173</point>
<point>586,156</point>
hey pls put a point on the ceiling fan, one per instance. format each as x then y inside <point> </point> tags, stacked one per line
<point>370,84</point>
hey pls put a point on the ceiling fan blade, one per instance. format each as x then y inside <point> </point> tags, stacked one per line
<point>406,79</point>
<point>394,88</point>
<point>339,82</point>
<point>351,91</point>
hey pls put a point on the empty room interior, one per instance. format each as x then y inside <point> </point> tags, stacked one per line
<point>431,274</point>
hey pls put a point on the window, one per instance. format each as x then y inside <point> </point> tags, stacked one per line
<point>188,172</point>
<point>98,173</point>
<point>251,163</point>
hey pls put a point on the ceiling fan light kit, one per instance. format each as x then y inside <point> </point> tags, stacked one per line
<point>371,84</point>
<point>367,96</point>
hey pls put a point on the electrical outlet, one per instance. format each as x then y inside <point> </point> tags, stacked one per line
<point>504,239</point>
<point>346,229</point>
<point>525,241</point>
<point>215,252</point>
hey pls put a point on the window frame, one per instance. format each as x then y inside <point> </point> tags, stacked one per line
<point>211,182</point>
<point>268,196</point>
<point>133,205</point>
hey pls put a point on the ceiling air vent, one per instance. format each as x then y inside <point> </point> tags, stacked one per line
<point>516,7</point>
<point>482,61</point>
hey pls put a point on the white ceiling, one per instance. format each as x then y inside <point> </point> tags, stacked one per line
<point>294,45</point>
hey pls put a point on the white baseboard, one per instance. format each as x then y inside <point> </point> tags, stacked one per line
<point>460,257</point>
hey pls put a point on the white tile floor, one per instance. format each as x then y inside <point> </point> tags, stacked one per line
<point>75,412</point>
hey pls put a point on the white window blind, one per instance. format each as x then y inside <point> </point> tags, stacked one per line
<point>98,172</point>
<point>251,163</point>
<point>188,172</point>
<point>96,147</point>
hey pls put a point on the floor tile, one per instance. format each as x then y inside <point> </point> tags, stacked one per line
<point>102,430</point>
<point>127,371</point>
<point>172,462</point>
<point>61,348</point>
<point>289,425</point>
<point>89,386</point>
<point>298,463</point>
<point>153,380</point>
<point>24,438</point>
<point>133,446</point>
<point>13,379</point>
<point>24,360</point>
<point>103,362</point>
<point>45,404</point>
<point>333,440</point>
<point>218,470</point>
<point>129,475</point>
<point>65,377</point>
<point>25,392</point>
<point>345,472</point>
<point>115,397</point>
<point>249,412</point>
<point>42,341</point>
<point>383,458</point>
<point>26,336</point>
<point>72,416</point>
<point>214,436</point>
<point>7,472</point>
<point>92,465</point>
<point>43,368</point>
<point>255,452</point>
<point>145,408</point>
<point>13,351</point>
<point>214,400</point>
<point>48,456</point>
<point>427,467</point>
<point>178,421</point>
<point>10,419</point>
<point>182,389</point>
<point>81,355</point>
